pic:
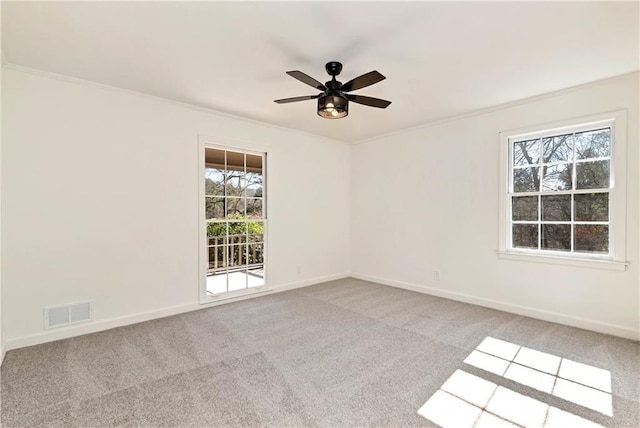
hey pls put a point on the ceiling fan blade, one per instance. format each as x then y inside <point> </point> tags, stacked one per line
<point>369,101</point>
<point>362,81</point>
<point>294,99</point>
<point>307,79</point>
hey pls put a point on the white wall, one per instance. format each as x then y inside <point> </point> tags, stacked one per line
<point>100,202</point>
<point>427,199</point>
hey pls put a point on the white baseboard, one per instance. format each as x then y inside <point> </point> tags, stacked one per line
<point>312,281</point>
<point>587,324</point>
<point>106,324</point>
<point>95,326</point>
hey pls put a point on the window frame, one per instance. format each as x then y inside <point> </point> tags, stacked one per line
<point>205,297</point>
<point>616,259</point>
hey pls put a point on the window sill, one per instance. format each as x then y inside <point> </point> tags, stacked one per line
<point>567,261</point>
<point>235,295</point>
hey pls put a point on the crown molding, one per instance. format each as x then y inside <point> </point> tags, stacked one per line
<point>207,110</point>
<point>194,107</point>
<point>499,107</point>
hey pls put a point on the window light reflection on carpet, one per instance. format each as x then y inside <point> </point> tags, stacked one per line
<point>467,400</point>
<point>579,383</point>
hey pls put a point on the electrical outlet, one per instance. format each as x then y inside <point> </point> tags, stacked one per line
<point>436,275</point>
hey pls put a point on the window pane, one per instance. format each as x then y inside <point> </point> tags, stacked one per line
<point>591,239</point>
<point>254,208</point>
<point>256,253</point>
<point>216,229</point>
<point>237,232</point>
<point>217,255</point>
<point>526,180</point>
<point>237,279</point>
<point>556,208</point>
<point>525,236</point>
<point>217,252</point>
<point>593,144</point>
<point>214,182</point>
<point>524,208</point>
<point>556,237</point>
<point>526,152</point>
<point>214,157</point>
<point>592,207</point>
<point>212,258</point>
<point>558,148</point>
<point>254,184</point>
<point>256,276</point>
<point>217,283</point>
<point>235,161</point>
<point>236,183</point>
<point>235,207</point>
<point>592,175</point>
<point>237,255</point>
<point>214,208</point>
<point>254,163</point>
<point>256,231</point>
<point>557,177</point>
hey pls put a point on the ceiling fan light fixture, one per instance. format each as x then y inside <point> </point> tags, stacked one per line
<point>333,106</point>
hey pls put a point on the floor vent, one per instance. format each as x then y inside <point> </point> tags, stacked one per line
<point>59,316</point>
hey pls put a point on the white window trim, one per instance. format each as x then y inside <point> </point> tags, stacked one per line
<point>210,142</point>
<point>616,260</point>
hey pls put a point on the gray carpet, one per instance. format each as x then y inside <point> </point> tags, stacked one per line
<point>342,353</point>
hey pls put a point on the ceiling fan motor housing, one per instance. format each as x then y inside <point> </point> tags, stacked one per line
<point>333,68</point>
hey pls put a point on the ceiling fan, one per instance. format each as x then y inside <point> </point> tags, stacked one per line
<point>333,101</point>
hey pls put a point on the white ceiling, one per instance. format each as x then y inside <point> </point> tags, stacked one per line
<point>440,59</point>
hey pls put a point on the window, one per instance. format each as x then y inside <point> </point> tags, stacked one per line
<point>564,192</point>
<point>235,221</point>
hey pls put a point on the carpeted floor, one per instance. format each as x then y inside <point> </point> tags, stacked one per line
<point>342,353</point>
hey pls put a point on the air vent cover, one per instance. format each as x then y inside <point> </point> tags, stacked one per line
<point>59,316</point>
